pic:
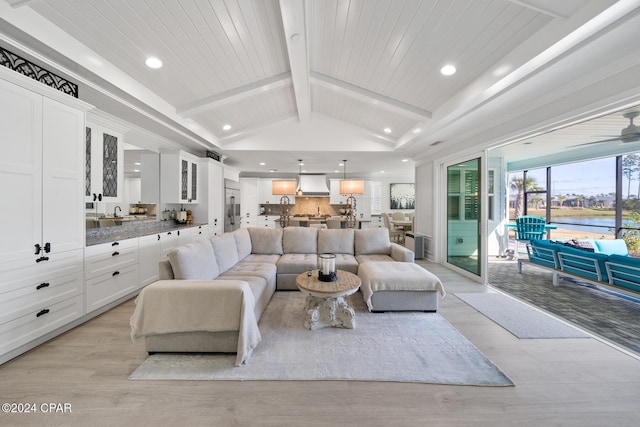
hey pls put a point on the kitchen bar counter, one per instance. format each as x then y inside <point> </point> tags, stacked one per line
<point>131,230</point>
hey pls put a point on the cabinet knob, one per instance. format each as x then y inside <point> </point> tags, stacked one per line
<point>115,244</point>
<point>115,253</point>
<point>42,285</point>
<point>115,273</point>
<point>38,248</point>
<point>47,247</point>
<point>158,237</point>
<point>42,258</point>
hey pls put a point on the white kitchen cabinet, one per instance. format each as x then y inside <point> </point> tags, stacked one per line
<point>248,198</point>
<point>248,221</point>
<point>199,232</point>
<point>179,177</point>
<point>267,221</point>
<point>110,272</point>
<point>210,208</point>
<point>149,254</point>
<point>265,193</point>
<point>104,161</point>
<point>39,298</point>
<point>173,238</point>
<point>41,168</point>
<point>335,198</point>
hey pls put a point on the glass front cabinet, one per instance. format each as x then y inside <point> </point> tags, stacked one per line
<point>179,178</point>
<point>104,163</point>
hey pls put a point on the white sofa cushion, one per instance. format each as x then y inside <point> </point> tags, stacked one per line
<point>370,241</point>
<point>194,261</point>
<point>224,247</point>
<point>243,242</point>
<point>266,241</point>
<point>297,263</point>
<point>336,241</point>
<point>300,240</point>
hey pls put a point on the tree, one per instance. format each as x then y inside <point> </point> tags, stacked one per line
<point>518,185</point>
<point>629,168</point>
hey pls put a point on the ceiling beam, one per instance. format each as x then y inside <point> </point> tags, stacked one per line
<point>295,33</point>
<point>370,97</point>
<point>542,7</point>
<point>234,95</point>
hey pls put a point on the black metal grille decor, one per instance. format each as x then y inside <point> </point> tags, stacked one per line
<point>110,166</point>
<point>19,64</point>
<point>213,155</point>
<point>87,163</point>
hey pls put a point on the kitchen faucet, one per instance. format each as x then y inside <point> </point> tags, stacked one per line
<point>115,213</point>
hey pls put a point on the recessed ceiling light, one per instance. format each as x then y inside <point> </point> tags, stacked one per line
<point>405,160</point>
<point>300,163</point>
<point>387,130</point>
<point>136,170</point>
<point>381,171</point>
<point>262,163</point>
<point>226,127</point>
<point>304,170</point>
<point>273,170</point>
<point>448,70</point>
<point>340,164</point>
<point>336,171</point>
<point>153,62</point>
<point>137,163</point>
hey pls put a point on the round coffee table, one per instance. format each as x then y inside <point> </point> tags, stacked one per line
<point>326,306</point>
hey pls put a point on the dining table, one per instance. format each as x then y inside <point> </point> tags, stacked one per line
<point>405,224</point>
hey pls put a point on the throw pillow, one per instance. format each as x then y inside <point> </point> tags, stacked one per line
<point>194,261</point>
<point>224,247</point>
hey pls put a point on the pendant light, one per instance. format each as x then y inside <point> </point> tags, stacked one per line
<point>300,192</point>
<point>350,186</point>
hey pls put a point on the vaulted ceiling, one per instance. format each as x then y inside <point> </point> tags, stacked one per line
<point>322,79</point>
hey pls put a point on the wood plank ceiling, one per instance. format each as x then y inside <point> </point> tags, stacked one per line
<point>251,63</point>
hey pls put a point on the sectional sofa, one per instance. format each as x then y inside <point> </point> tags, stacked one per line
<point>602,262</point>
<point>211,293</point>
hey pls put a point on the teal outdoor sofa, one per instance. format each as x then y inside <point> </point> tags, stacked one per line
<point>601,262</point>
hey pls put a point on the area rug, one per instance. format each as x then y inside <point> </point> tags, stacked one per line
<point>402,347</point>
<point>520,319</point>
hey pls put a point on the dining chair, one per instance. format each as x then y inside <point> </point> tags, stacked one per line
<point>398,216</point>
<point>529,227</point>
<point>394,234</point>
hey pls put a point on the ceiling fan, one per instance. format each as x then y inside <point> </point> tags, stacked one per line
<point>629,134</point>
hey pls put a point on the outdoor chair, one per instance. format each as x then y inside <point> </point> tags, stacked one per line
<point>529,227</point>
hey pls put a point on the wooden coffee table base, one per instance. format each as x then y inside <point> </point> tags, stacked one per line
<point>324,312</point>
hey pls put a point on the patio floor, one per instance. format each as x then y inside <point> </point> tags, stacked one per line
<point>608,316</point>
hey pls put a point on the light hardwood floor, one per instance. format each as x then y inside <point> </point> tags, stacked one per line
<point>563,382</point>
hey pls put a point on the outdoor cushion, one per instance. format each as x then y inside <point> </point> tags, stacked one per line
<point>612,247</point>
<point>226,252</point>
<point>544,252</point>
<point>626,271</point>
<point>194,261</point>
<point>585,266</point>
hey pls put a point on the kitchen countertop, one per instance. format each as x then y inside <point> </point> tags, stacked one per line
<point>132,230</point>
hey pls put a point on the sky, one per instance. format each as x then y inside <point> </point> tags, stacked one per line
<point>585,178</point>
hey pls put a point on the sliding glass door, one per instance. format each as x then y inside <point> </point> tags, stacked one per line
<point>464,200</point>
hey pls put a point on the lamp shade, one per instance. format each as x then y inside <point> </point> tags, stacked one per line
<point>282,187</point>
<point>351,186</point>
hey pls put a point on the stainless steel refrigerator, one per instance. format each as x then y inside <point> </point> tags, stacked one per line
<point>232,205</point>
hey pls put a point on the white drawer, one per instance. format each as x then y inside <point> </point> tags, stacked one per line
<point>27,273</point>
<point>42,292</point>
<point>106,288</point>
<point>39,322</point>
<point>108,263</point>
<point>108,248</point>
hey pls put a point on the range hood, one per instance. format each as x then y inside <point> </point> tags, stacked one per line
<point>313,185</point>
